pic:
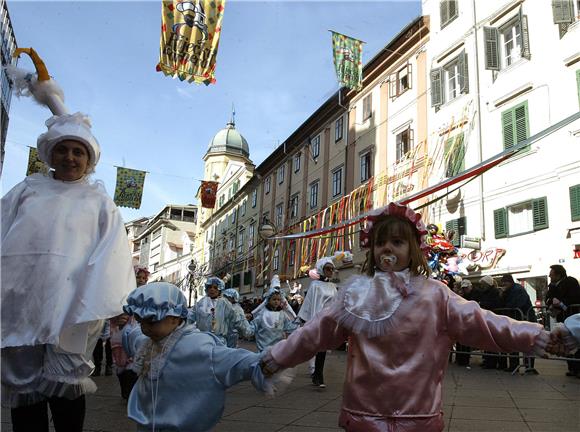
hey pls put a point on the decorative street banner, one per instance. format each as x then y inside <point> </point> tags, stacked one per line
<point>190,34</point>
<point>347,60</point>
<point>208,193</point>
<point>129,189</point>
<point>35,165</point>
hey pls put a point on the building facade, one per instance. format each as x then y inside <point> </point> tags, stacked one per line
<point>7,48</point>
<point>500,72</point>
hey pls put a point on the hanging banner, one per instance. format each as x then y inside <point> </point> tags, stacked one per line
<point>35,165</point>
<point>208,194</point>
<point>190,33</point>
<point>129,188</point>
<point>347,60</point>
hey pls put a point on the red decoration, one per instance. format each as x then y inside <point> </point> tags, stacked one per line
<point>208,194</point>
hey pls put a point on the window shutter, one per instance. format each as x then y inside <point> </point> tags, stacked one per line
<point>575,202</point>
<point>248,277</point>
<point>459,163</point>
<point>540,213</point>
<point>525,36</point>
<point>453,225</point>
<point>410,75</point>
<point>500,223</point>
<point>507,125</point>
<point>436,87</point>
<point>463,73</point>
<point>522,128</point>
<point>491,42</point>
<point>444,12</point>
<point>393,86</point>
<point>563,11</point>
<point>578,84</point>
<point>452,9</point>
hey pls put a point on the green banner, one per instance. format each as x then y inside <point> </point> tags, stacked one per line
<point>129,189</point>
<point>347,60</point>
<point>35,165</point>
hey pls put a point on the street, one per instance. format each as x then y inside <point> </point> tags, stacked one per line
<point>475,400</point>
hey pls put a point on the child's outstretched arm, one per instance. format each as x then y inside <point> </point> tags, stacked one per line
<point>233,365</point>
<point>472,326</point>
<point>319,334</point>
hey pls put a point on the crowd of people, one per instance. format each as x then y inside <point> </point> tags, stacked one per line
<point>67,270</point>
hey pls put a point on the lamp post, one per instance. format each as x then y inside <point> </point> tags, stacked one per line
<point>266,231</point>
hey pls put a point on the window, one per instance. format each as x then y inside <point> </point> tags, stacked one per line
<point>315,147</point>
<point>337,182</point>
<point>459,227</point>
<point>236,186</point>
<point>575,203</point>
<point>448,11</point>
<point>450,80</point>
<point>338,129</point>
<point>254,198</point>
<point>276,260</point>
<point>294,206</point>
<point>404,143</point>
<point>296,162</point>
<point>248,277</point>
<point>314,195</point>
<point>231,243</point>
<point>506,44</point>
<point>367,106</point>
<point>515,125</point>
<point>251,232</point>
<point>563,14</point>
<point>279,215</point>
<point>578,84</point>
<point>241,234</point>
<point>454,155</point>
<point>267,184</point>
<point>521,218</point>
<point>222,200</point>
<point>233,217</point>
<point>243,208</point>
<point>365,166</point>
<point>292,254</point>
<point>281,173</point>
<point>401,81</point>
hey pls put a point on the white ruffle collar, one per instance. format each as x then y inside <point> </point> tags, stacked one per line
<point>365,304</point>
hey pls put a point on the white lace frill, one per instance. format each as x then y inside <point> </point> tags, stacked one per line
<point>364,305</point>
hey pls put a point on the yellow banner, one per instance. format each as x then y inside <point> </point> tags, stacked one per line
<point>190,33</point>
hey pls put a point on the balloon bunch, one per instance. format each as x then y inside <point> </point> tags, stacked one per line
<point>442,255</point>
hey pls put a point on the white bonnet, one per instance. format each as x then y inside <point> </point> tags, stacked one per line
<point>75,127</point>
<point>322,262</point>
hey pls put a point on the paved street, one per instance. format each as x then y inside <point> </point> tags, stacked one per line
<point>475,400</point>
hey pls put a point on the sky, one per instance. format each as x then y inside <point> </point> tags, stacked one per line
<point>274,65</point>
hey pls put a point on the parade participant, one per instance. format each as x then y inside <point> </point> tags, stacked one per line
<point>103,344</point>
<point>141,275</point>
<point>214,314</point>
<point>176,362</point>
<point>320,292</point>
<point>274,318</point>
<point>233,296</point>
<point>121,326</point>
<point>401,325</point>
<point>66,266</point>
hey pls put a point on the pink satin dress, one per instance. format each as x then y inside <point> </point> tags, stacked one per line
<point>394,379</point>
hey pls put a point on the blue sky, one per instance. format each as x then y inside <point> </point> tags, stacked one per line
<point>274,63</point>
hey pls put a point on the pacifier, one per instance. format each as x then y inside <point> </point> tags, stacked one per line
<point>390,260</point>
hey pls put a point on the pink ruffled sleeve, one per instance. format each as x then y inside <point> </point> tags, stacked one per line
<point>476,327</point>
<point>319,334</point>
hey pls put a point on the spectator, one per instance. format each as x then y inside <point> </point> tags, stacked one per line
<point>489,298</point>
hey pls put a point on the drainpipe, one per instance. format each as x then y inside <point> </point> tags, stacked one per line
<point>479,126</point>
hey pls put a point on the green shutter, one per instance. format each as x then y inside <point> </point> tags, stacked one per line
<point>491,43</point>
<point>443,13</point>
<point>463,73</point>
<point>454,155</point>
<point>563,11</point>
<point>436,87</point>
<point>575,202</point>
<point>522,129</point>
<point>540,213</point>
<point>578,84</point>
<point>525,36</point>
<point>500,222</point>
<point>507,126</point>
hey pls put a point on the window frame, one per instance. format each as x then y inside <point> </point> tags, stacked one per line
<point>337,181</point>
<point>367,111</point>
<point>276,259</point>
<point>365,168</point>
<point>338,129</point>
<point>400,155</point>
<point>279,215</point>
<point>540,218</point>
<point>251,233</point>
<point>281,173</point>
<point>294,201</point>
<point>254,198</point>
<point>315,147</point>
<point>268,185</point>
<point>313,198</point>
<point>446,13</point>
<point>296,161</point>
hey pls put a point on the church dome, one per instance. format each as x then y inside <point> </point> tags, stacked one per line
<point>229,140</point>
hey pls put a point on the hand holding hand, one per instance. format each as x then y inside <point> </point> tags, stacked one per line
<point>561,341</point>
<point>556,302</point>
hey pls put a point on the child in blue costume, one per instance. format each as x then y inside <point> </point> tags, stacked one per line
<point>215,314</point>
<point>183,373</point>
<point>234,297</point>
<point>274,318</point>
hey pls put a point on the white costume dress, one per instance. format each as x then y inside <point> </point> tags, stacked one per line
<point>66,265</point>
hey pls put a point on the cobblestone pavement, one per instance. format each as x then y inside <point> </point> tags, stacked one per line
<point>475,400</point>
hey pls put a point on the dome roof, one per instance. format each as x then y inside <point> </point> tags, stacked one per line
<point>229,140</point>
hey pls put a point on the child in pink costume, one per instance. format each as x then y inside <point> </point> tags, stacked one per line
<point>401,325</point>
